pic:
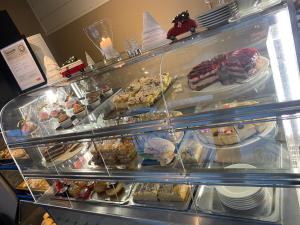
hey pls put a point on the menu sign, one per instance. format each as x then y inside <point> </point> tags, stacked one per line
<point>22,65</point>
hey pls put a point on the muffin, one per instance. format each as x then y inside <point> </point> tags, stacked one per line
<point>43,116</point>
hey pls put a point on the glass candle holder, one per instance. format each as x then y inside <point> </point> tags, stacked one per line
<point>101,35</point>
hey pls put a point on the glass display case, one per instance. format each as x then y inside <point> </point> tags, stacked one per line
<point>207,125</point>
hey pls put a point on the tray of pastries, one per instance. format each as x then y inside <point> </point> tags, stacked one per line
<point>239,135</point>
<point>36,185</point>
<point>95,192</point>
<point>140,94</point>
<point>119,153</point>
<point>7,156</point>
<point>166,196</point>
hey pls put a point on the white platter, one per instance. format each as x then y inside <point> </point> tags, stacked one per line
<point>261,75</point>
<point>269,131</point>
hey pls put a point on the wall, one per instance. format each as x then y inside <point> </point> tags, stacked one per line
<point>126,17</point>
<point>23,17</point>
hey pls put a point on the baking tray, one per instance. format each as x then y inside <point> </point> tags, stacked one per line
<point>207,201</point>
<point>180,206</point>
<point>39,191</point>
<point>121,199</point>
<point>116,114</point>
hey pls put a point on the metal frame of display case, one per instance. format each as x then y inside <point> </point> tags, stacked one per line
<point>259,113</point>
<point>223,117</point>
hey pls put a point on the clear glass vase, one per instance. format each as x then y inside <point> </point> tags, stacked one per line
<point>101,35</point>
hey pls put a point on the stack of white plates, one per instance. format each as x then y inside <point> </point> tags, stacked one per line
<point>242,198</point>
<point>218,16</point>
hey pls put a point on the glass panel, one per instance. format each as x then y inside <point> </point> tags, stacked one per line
<point>251,62</point>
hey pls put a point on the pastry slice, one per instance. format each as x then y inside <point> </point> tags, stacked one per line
<point>146,192</point>
<point>228,135</point>
<point>115,189</point>
<point>191,152</point>
<point>261,127</point>
<point>173,192</point>
<point>230,139</point>
<point>245,131</point>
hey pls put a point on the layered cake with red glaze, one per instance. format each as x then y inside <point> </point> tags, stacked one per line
<point>239,65</point>
<point>206,73</point>
<point>227,68</point>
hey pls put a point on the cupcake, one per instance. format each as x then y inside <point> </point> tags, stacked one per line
<point>64,120</point>
<point>43,116</point>
<point>54,113</point>
<point>107,91</point>
<point>79,110</point>
<point>70,102</point>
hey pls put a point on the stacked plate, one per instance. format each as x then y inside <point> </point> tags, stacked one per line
<point>242,198</point>
<point>218,16</point>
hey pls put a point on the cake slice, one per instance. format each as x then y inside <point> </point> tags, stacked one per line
<point>191,152</point>
<point>241,63</point>
<point>203,75</point>
<point>245,131</point>
<point>146,192</point>
<point>173,192</point>
<point>53,152</point>
<point>126,151</point>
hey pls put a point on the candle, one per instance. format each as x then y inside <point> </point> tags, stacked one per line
<point>106,43</point>
<point>107,49</point>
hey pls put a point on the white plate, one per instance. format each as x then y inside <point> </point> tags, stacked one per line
<point>226,13</point>
<point>242,208</point>
<point>217,10</point>
<point>249,141</point>
<point>260,7</point>
<point>242,202</point>
<point>223,17</point>
<point>237,191</point>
